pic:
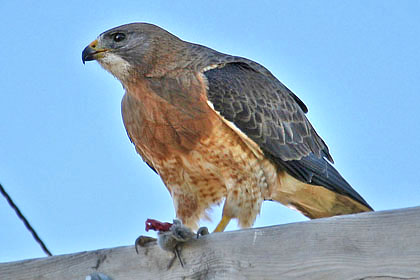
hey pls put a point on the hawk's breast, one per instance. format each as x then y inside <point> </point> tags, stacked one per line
<point>199,157</point>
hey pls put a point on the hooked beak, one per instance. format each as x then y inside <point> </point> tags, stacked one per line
<point>92,52</point>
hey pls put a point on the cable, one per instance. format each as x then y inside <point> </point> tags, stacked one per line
<point>25,221</point>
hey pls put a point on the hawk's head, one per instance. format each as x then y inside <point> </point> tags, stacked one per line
<point>132,49</point>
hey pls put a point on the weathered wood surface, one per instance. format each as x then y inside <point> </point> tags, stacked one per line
<point>381,245</point>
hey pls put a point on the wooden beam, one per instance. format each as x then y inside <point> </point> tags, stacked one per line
<point>378,245</point>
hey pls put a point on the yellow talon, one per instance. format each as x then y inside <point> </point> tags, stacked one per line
<point>223,224</point>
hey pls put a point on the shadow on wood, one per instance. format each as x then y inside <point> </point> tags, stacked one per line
<point>377,245</point>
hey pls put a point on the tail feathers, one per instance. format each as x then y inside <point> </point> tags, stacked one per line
<point>315,188</point>
<point>314,201</point>
<point>317,171</point>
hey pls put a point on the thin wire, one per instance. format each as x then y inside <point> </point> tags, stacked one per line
<point>25,221</point>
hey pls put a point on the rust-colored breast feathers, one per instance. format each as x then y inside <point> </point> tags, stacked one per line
<point>159,122</point>
<point>200,159</point>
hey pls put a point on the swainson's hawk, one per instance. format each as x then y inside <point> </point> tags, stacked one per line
<point>219,127</point>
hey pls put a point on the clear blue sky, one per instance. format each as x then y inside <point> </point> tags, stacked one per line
<point>65,156</point>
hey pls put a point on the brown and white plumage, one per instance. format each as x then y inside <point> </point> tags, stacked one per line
<point>218,127</point>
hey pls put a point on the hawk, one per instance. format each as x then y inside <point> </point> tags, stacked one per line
<point>217,127</point>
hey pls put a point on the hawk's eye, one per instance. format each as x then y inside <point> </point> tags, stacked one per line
<point>118,37</point>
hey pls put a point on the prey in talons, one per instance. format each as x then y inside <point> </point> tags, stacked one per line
<point>171,237</point>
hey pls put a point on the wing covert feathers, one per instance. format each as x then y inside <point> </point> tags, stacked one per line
<point>264,110</point>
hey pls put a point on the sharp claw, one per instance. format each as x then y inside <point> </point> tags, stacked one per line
<point>202,231</point>
<point>142,240</point>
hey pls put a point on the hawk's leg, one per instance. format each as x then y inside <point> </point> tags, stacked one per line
<point>223,223</point>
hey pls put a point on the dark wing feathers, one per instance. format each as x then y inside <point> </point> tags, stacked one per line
<point>264,110</point>
<point>248,95</point>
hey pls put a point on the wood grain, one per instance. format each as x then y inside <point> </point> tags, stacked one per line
<point>378,245</point>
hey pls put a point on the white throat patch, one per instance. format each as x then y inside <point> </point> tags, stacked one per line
<point>114,64</point>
